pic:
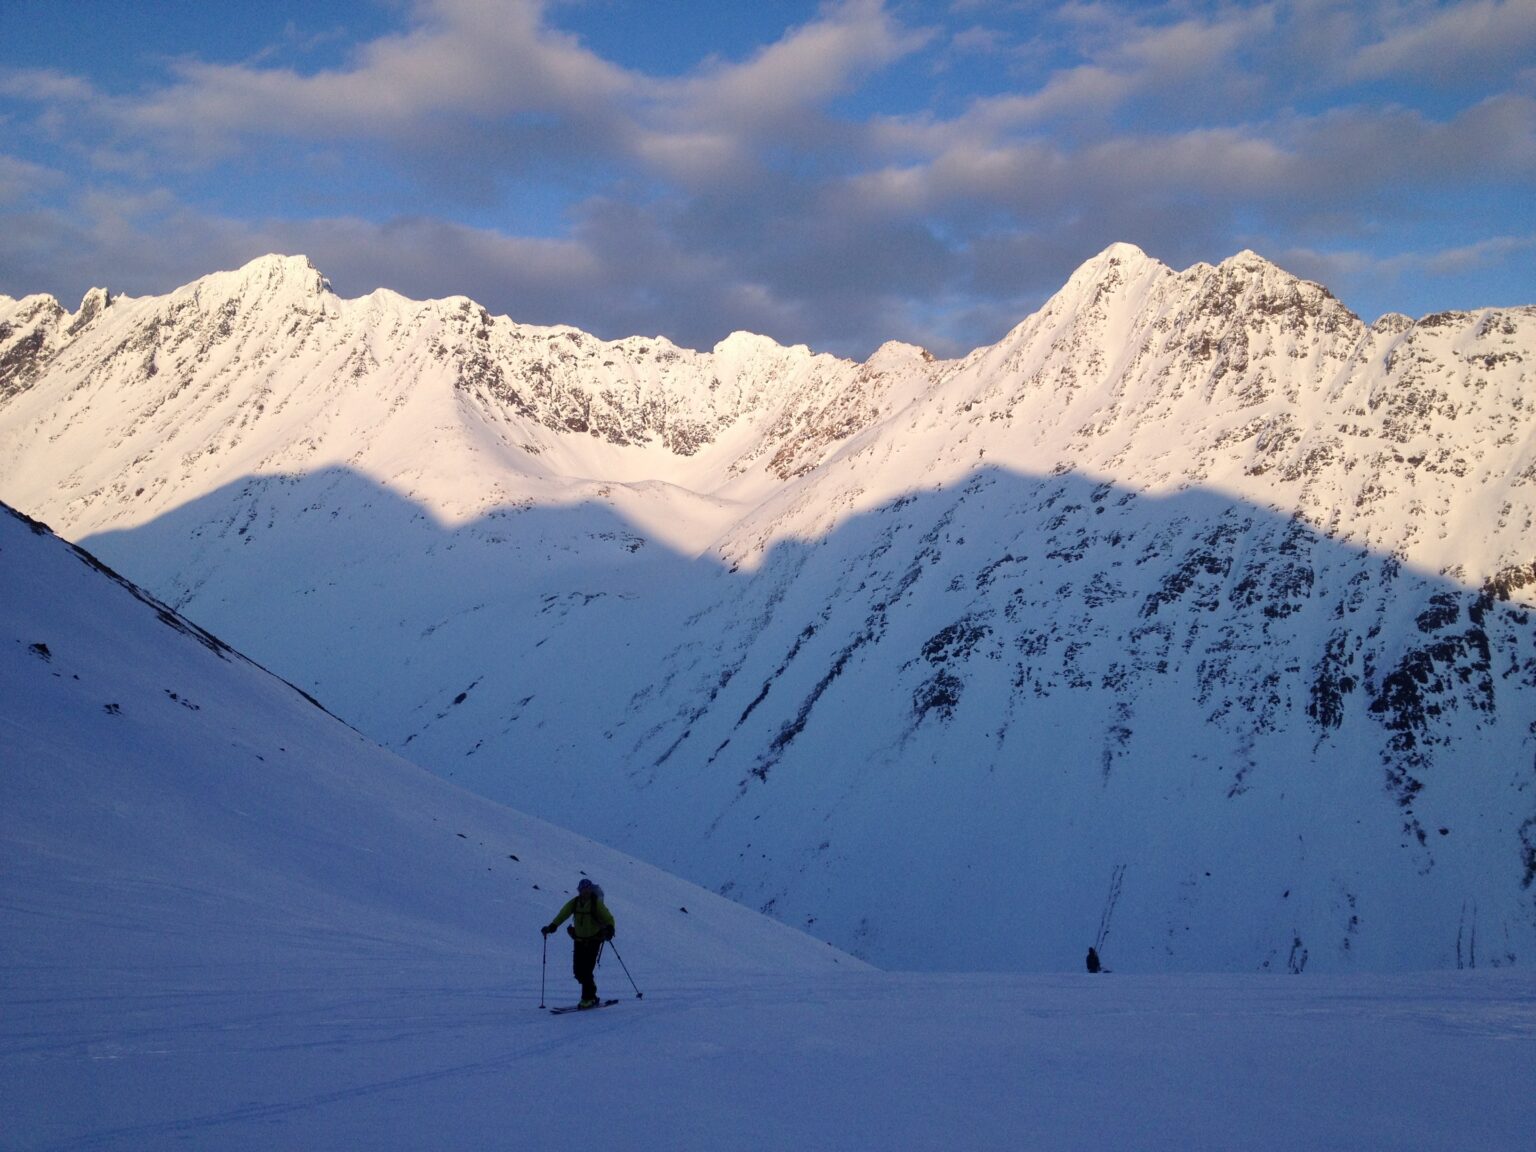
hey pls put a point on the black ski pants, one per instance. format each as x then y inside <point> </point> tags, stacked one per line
<point>584,963</point>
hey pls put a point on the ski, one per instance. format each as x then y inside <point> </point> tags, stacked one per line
<point>579,1008</point>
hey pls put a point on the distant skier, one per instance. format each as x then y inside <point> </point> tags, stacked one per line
<point>591,925</point>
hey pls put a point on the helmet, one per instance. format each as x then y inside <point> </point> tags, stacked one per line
<point>585,885</point>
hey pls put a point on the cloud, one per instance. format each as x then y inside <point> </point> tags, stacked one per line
<point>1345,156</point>
<point>462,60</point>
<point>1484,253</point>
<point>22,181</point>
<point>137,245</point>
<point>1457,270</point>
<point>482,73</point>
<point>1088,64</point>
<point>805,68</point>
<point>726,114</point>
<point>1453,45</point>
<point>1342,161</point>
<point>45,86</point>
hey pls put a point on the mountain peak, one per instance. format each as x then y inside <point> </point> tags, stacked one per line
<point>269,274</point>
<point>742,345</point>
<point>1248,258</point>
<point>95,302</point>
<point>897,354</point>
<point>1250,263</point>
<point>1118,258</point>
<point>1125,253</point>
<point>1266,288</point>
<point>1119,264</point>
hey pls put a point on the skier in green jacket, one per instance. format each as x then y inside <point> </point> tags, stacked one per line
<point>591,925</point>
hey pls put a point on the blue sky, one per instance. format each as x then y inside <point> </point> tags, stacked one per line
<point>836,174</point>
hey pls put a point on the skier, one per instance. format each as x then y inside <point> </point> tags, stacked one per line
<point>591,925</point>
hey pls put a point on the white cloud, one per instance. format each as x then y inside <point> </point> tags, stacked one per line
<point>1351,270</point>
<point>463,59</point>
<point>476,85</point>
<point>804,69</point>
<point>1453,44</point>
<point>1483,254</point>
<point>45,85</point>
<point>716,124</point>
<point>21,180</point>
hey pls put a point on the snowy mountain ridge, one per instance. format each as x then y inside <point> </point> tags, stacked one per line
<point>165,370</point>
<point>1269,376</point>
<point>1197,552</point>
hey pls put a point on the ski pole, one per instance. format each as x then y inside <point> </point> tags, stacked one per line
<point>543,968</point>
<point>639,995</point>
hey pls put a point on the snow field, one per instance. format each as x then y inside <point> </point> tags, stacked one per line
<point>425,1052</point>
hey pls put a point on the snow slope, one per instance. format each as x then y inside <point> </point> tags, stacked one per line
<point>168,802</point>
<point>229,922</point>
<point>1195,610</point>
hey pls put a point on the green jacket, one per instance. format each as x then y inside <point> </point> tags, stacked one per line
<point>591,917</point>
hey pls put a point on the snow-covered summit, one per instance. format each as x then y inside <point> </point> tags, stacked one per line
<point>273,274</point>
<point>1128,259</point>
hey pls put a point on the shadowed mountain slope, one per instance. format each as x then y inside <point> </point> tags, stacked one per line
<point>1275,748</point>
